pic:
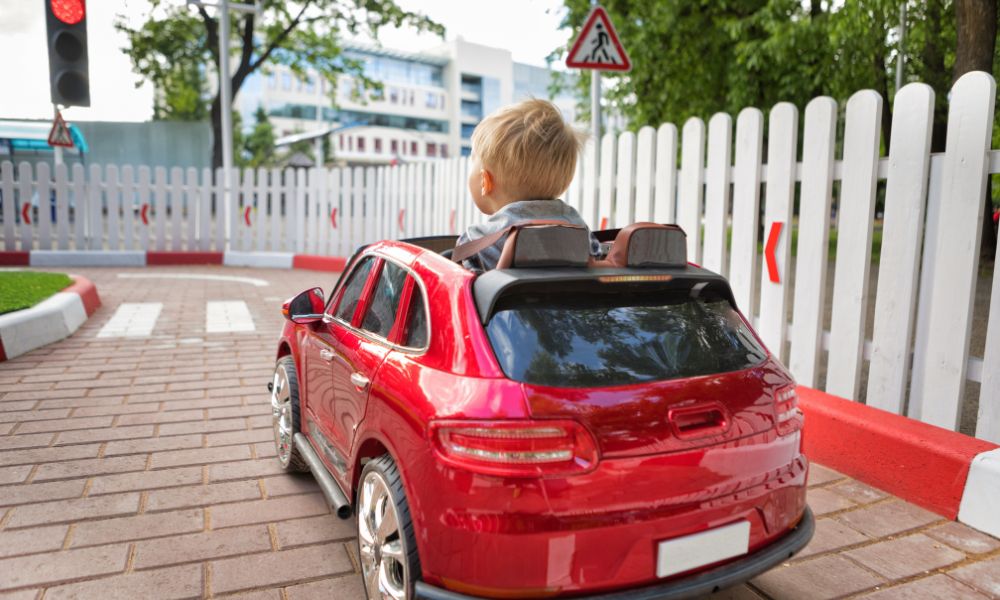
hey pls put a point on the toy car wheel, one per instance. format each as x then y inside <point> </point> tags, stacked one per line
<point>285,413</point>
<point>386,544</point>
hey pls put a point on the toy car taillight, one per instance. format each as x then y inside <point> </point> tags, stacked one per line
<point>516,448</point>
<point>787,414</point>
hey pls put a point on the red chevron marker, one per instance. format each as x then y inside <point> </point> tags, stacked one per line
<point>144,214</point>
<point>333,218</point>
<point>772,245</point>
<point>24,213</point>
<point>604,223</point>
<point>246,216</point>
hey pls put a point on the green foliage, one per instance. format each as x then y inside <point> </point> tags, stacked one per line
<point>24,289</point>
<point>259,144</point>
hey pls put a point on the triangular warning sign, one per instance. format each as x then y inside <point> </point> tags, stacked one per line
<point>598,46</point>
<point>60,136</point>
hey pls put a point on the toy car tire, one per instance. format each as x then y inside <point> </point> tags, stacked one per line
<point>386,544</point>
<point>285,414</point>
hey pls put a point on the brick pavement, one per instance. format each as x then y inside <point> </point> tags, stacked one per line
<point>143,467</point>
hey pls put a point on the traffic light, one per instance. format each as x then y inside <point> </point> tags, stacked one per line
<point>66,21</point>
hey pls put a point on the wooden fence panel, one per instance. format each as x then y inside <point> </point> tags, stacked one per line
<point>988,422</point>
<point>222,241</point>
<point>645,165</point>
<point>62,208</point>
<point>81,217</point>
<point>665,192</point>
<point>624,209</point>
<point>129,207</point>
<point>855,218</point>
<point>902,231</point>
<point>113,194</point>
<point>25,180</point>
<point>956,250</point>
<point>782,142</point>
<point>606,181</point>
<point>589,188</point>
<point>691,188</point>
<point>159,207</point>
<point>203,237</point>
<point>43,183</point>
<point>812,253</point>
<point>259,218</point>
<point>176,207</point>
<point>144,191</point>
<point>10,215</point>
<point>95,203</point>
<point>720,134</point>
<point>244,219</point>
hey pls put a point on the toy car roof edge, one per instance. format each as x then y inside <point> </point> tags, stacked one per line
<point>490,286</point>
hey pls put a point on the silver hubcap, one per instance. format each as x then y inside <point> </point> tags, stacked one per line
<point>383,560</point>
<point>281,412</point>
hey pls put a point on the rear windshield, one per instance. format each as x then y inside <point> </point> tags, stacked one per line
<point>607,340</point>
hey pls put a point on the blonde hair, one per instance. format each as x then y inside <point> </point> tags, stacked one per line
<point>529,149</point>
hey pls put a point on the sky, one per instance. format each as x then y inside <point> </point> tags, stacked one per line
<point>528,28</point>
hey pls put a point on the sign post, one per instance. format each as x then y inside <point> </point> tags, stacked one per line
<point>598,48</point>
<point>59,136</point>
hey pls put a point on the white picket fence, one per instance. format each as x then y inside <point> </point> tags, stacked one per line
<point>930,246</point>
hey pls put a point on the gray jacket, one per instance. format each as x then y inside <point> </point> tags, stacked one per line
<point>517,212</point>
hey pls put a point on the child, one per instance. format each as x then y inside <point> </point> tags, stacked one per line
<point>523,158</point>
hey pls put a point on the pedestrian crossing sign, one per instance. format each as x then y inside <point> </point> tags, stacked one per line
<point>60,136</point>
<point>598,46</point>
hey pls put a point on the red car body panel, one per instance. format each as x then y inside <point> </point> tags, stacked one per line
<point>520,536</point>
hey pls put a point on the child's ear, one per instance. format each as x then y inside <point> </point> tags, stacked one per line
<point>487,178</point>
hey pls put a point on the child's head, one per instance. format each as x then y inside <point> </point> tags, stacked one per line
<point>524,151</point>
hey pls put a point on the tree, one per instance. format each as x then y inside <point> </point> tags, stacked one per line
<point>177,40</point>
<point>260,143</point>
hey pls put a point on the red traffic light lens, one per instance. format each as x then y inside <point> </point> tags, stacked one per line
<point>69,12</point>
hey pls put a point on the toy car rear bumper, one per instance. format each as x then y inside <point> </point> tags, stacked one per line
<point>691,586</point>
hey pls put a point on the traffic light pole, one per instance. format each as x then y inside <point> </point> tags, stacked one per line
<point>57,155</point>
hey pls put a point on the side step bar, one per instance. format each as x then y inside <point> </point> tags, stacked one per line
<point>331,489</point>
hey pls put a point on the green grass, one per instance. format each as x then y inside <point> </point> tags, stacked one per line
<point>24,289</point>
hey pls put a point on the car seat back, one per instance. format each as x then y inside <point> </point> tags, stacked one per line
<point>648,245</point>
<point>533,244</point>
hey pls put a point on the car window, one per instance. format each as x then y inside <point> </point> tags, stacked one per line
<point>353,288</point>
<point>384,307</point>
<point>604,341</point>
<point>415,334</point>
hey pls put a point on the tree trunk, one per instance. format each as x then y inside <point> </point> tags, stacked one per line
<point>976,32</point>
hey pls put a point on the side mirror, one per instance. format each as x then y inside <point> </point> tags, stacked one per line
<point>305,308</point>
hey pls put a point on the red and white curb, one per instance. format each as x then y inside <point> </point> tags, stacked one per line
<point>48,321</point>
<point>142,258</point>
<point>946,472</point>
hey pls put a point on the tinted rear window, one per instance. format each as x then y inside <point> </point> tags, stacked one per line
<point>610,340</point>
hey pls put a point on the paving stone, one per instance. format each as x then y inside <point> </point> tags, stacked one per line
<point>823,577</point>
<point>23,416</point>
<point>349,587</point>
<point>289,484</point>
<point>146,480</point>
<point>30,541</point>
<point>65,511</point>
<point>938,587</point>
<point>818,475</point>
<point>173,442</point>
<point>201,546</point>
<point>39,492</point>
<point>984,576</point>
<point>174,583</point>
<point>902,557</point>
<point>31,440</point>
<point>65,424</point>
<point>105,531</point>
<point>203,495</point>
<point>199,456</point>
<point>831,535</point>
<point>887,518</point>
<point>21,595</point>
<point>271,568</point>
<point>37,569</point>
<point>202,426</point>
<point>239,437</point>
<point>271,594</point>
<point>857,492</point>
<point>822,501</point>
<point>325,528</point>
<point>244,469</point>
<point>94,466</point>
<point>162,417</point>
<point>14,474</point>
<point>40,455</point>
<point>964,538</point>
<point>265,511</point>
<point>104,434</point>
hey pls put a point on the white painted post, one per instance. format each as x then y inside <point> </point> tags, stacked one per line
<point>606,182</point>
<point>260,218</point>
<point>144,205</point>
<point>300,191</point>
<point>160,202</point>
<point>665,192</point>
<point>855,218</point>
<point>7,196</point>
<point>129,206</point>
<point>813,249</point>
<point>988,422</point>
<point>24,180</point>
<point>589,189</point>
<point>113,195</point>
<point>572,195</point>
<point>941,383</point>
<point>94,206</point>
<point>323,214</point>
<point>782,143</point>
<point>645,157</point>
<point>624,213</point>
<point>62,207</point>
<point>43,184</point>
<point>358,209</point>
<point>176,207</point>
<point>220,194</point>
<point>347,241</point>
<point>720,134</point>
<point>902,231</point>
<point>280,181</point>
<point>370,204</point>
<point>691,188</point>
<point>746,208</point>
<point>192,208</point>
<point>240,216</point>
<point>80,202</point>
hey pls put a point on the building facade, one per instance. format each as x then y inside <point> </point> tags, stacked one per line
<point>429,105</point>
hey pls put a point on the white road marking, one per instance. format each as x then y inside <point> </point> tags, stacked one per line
<point>227,317</point>
<point>228,278</point>
<point>132,319</point>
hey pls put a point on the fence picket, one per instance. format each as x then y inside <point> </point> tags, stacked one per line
<point>855,217</point>
<point>113,195</point>
<point>189,209</point>
<point>129,206</point>
<point>370,199</point>
<point>9,211</point>
<point>956,250</point>
<point>988,422</point>
<point>144,190</point>
<point>25,180</point>
<point>720,133</point>
<point>902,225</point>
<point>95,224</point>
<point>645,157</point>
<point>203,240</point>
<point>606,183</point>
<point>665,193</point>
<point>43,183</point>
<point>62,208</point>
<point>176,207</point>
<point>691,186</point>
<point>357,209</point>
<point>222,241</point>
<point>812,253</point>
<point>779,200</point>
<point>278,199</point>
<point>746,208</point>
<point>624,213</point>
<point>81,215</point>
<point>160,206</point>
<point>244,219</point>
<point>589,189</point>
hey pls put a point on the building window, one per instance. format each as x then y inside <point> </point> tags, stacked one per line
<point>431,100</point>
<point>393,147</point>
<point>286,81</point>
<point>341,139</point>
<point>444,150</point>
<point>361,144</point>
<point>378,145</point>
<point>394,95</point>
<point>413,148</point>
<point>432,149</point>
<point>404,149</point>
<point>350,143</point>
<point>466,151</point>
<point>272,80</point>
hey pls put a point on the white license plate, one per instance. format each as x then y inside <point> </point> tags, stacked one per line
<point>700,549</point>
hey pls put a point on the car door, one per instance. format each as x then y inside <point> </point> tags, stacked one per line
<point>320,354</point>
<point>362,347</point>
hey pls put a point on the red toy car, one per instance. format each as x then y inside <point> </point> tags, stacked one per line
<point>553,427</point>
